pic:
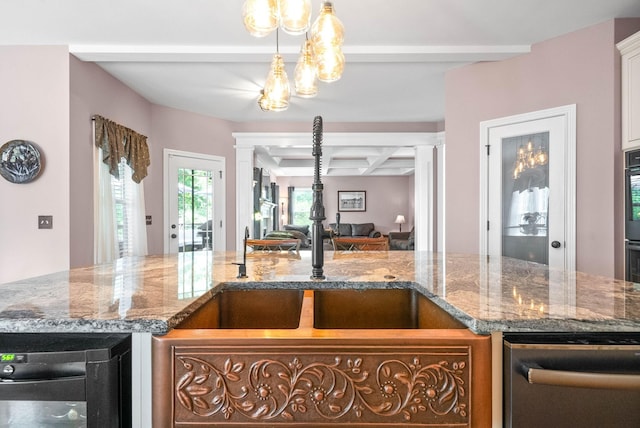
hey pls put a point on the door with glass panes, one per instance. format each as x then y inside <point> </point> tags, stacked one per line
<point>194,192</point>
<point>530,215</point>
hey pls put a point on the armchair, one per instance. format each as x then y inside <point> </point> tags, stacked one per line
<point>402,240</point>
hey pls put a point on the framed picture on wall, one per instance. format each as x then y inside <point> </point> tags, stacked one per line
<point>352,200</point>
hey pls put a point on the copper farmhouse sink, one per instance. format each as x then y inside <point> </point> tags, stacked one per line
<point>321,358</point>
<point>378,308</point>
<point>249,309</point>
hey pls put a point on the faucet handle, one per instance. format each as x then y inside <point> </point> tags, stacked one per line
<point>242,270</point>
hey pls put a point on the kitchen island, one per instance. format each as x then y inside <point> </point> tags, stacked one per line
<point>153,295</point>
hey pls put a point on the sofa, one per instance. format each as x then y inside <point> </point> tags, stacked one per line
<point>402,240</point>
<point>292,232</point>
<point>355,230</point>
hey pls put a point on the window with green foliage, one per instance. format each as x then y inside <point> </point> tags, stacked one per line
<point>195,209</point>
<point>301,203</point>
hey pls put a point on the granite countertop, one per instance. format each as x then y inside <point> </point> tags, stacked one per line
<point>153,294</point>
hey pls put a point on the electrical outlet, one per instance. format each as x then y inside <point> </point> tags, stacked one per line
<point>148,218</point>
<point>45,222</point>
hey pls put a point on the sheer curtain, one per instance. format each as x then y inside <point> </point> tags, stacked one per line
<point>105,241</point>
<point>135,227</point>
<point>121,161</point>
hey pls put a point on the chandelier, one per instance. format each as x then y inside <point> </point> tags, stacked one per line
<point>528,157</point>
<point>321,57</point>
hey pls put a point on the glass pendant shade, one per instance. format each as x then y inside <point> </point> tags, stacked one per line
<point>330,64</point>
<point>262,101</point>
<point>327,30</point>
<point>295,16</point>
<point>305,74</point>
<point>276,88</point>
<point>260,17</point>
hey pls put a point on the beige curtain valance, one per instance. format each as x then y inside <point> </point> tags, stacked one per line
<point>117,142</point>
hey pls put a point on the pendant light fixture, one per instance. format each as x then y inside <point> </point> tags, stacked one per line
<point>327,30</point>
<point>330,64</point>
<point>260,17</point>
<point>295,16</point>
<point>305,74</point>
<point>321,56</point>
<point>276,89</point>
<point>327,36</point>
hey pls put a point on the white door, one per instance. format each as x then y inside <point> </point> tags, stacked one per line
<point>530,187</point>
<point>194,202</point>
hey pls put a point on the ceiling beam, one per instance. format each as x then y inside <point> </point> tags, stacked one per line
<point>199,53</point>
<point>379,160</point>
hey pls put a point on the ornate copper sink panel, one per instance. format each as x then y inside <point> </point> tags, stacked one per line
<point>321,358</point>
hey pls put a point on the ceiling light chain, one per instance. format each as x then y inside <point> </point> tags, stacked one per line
<point>321,57</point>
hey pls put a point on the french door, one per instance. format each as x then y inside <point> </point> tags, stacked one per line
<point>528,186</point>
<point>194,202</point>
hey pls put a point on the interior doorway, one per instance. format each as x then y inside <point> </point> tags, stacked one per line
<point>429,179</point>
<point>528,187</point>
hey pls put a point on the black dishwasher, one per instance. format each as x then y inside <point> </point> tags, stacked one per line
<point>571,380</point>
<point>65,380</point>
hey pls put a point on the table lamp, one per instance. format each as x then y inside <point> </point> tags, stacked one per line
<point>400,220</point>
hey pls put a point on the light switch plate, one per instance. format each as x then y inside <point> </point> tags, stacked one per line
<point>45,222</point>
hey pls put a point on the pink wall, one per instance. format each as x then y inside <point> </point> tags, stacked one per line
<point>180,130</point>
<point>34,87</point>
<point>94,91</point>
<point>386,198</point>
<point>578,68</point>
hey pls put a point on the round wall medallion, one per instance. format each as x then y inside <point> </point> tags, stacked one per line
<point>19,161</point>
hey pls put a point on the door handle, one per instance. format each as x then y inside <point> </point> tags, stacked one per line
<point>582,379</point>
<point>556,244</point>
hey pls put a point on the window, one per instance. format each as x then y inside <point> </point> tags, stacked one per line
<point>124,192</point>
<point>301,202</point>
<point>120,228</point>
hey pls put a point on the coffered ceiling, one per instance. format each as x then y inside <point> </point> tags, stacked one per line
<point>195,55</point>
<point>337,160</point>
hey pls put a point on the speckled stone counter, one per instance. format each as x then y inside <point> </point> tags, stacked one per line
<point>153,294</point>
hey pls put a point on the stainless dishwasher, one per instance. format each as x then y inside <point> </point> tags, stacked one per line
<point>65,380</point>
<point>571,380</point>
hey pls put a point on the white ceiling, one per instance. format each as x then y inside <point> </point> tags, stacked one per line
<point>195,55</point>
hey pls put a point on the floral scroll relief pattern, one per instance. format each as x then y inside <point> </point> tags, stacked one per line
<point>267,389</point>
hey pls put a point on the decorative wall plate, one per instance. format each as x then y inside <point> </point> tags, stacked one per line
<point>19,161</point>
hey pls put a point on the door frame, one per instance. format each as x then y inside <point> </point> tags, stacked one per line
<point>568,115</point>
<point>165,192</point>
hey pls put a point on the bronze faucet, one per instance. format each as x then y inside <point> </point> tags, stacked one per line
<point>317,209</point>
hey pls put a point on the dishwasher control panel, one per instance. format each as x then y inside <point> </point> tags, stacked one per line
<point>13,358</point>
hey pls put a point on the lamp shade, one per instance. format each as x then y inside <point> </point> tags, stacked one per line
<point>305,74</point>
<point>330,64</point>
<point>400,219</point>
<point>260,17</point>
<point>276,88</point>
<point>295,16</point>
<point>327,30</point>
